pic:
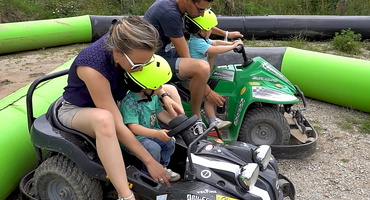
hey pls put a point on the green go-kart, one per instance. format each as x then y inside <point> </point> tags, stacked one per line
<point>263,106</point>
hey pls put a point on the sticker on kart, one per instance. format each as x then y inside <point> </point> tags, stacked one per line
<point>220,197</point>
<point>196,197</point>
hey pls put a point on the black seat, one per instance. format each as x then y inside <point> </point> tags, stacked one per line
<point>80,138</point>
<point>49,134</point>
<point>52,116</point>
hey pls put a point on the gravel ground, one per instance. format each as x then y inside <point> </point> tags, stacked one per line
<point>338,170</point>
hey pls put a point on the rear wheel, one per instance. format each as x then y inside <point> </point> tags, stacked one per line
<point>264,125</point>
<point>58,178</point>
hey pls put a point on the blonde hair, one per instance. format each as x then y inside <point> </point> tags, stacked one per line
<point>131,33</point>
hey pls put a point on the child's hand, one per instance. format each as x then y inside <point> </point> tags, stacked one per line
<point>236,42</point>
<point>162,135</point>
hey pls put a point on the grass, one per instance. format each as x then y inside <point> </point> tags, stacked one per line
<point>366,44</point>
<point>318,129</point>
<point>25,10</point>
<point>296,41</point>
<point>365,127</point>
<point>351,123</point>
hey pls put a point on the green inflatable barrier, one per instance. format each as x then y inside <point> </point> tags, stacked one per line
<point>21,36</point>
<point>334,79</point>
<point>17,154</point>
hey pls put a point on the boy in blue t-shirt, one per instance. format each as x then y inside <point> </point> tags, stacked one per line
<point>201,47</point>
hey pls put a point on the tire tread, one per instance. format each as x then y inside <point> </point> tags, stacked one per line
<point>84,186</point>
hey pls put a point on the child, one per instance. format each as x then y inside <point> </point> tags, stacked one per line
<point>141,110</point>
<point>201,47</point>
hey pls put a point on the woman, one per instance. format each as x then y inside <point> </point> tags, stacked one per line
<point>95,84</point>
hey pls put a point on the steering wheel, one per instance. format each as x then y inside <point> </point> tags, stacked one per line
<point>181,123</point>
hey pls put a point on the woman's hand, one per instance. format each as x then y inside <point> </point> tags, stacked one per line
<point>215,98</point>
<point>158,173</point>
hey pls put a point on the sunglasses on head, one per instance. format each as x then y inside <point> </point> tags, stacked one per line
<point>135,66</point>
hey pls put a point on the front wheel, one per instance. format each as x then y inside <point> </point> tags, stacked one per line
<point>58,178</point>
<point>264,125</point>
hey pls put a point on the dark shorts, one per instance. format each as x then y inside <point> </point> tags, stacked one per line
<point>173,59</point>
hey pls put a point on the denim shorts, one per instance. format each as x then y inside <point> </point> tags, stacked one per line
<point>66,113</point>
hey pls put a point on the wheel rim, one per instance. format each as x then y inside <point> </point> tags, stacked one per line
<point>59,189</point>
<point>263,134</point>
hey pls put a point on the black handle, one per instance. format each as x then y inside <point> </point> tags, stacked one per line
<point>238,48</point>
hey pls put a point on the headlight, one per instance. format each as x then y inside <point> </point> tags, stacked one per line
<point>248,176</point>
<point>262,156</point>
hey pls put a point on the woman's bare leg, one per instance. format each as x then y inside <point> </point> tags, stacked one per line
<point>99,123</point>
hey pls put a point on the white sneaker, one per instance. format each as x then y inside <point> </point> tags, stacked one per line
<point>174,176</point>
<point>198,128</point>
<point>220,124</point>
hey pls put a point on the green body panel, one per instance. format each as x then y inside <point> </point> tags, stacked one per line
<point>17,154</point>
<point>246,86</point>
<point>334,79</point>
<point>21,36</point>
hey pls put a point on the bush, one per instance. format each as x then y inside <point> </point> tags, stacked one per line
<point>347,41</point>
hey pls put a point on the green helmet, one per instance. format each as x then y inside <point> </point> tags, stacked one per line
<point>205,22</point>
<point>151,77</point>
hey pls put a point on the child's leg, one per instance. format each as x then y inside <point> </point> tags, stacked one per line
<point>212,119</point>
<point>211,60</point>
<point>209,110</point>
<point>208,107</point>
<point>153,148</point>
<point>167,149</point>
